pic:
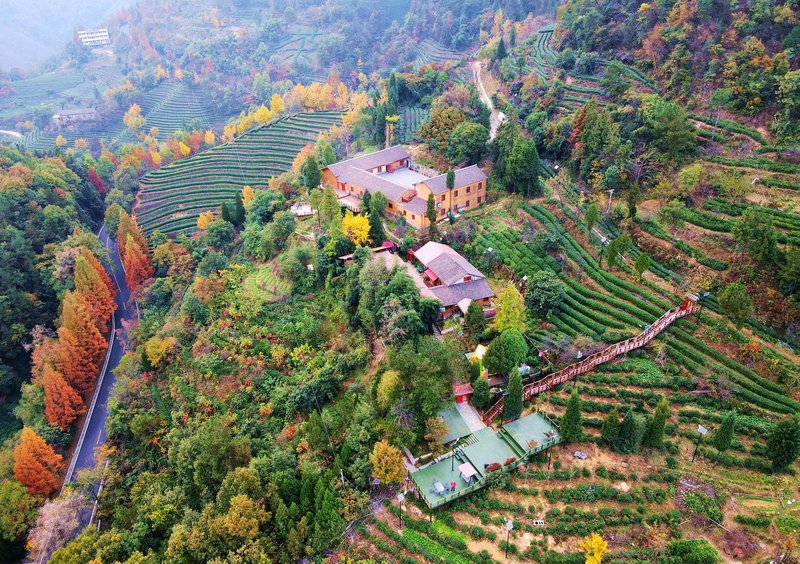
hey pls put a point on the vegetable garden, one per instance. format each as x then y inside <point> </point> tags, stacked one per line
<point>172,197</point>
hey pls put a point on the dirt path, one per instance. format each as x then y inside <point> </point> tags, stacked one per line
<point>494,119</point>
<point>11,133</point>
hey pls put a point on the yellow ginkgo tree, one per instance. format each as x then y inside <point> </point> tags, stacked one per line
<point>356,228</point>
<point>248,195</point>
<point>205,219</point>
<point>594,548</point>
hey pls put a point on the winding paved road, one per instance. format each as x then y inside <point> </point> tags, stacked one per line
<point>494,119</point>
<point>93,433</point>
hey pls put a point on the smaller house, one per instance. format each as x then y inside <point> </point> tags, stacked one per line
<point>67,118</point>
<point>94,37</point>
<point>462,392</point>
<point>451,278</point>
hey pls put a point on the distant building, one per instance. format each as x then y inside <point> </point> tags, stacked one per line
<point>392,173</point>
<point>94,37</point>
<point>67,118</point>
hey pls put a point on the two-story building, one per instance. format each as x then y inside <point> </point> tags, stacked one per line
<point>392,173</point>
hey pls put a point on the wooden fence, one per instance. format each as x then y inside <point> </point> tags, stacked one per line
<point>590,362</point>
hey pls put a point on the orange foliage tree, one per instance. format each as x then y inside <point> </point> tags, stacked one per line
<point>36,464</point>
<point>94,286</point>
<point>62,404</point>
<point>137,264</point>
<point>80,343</point>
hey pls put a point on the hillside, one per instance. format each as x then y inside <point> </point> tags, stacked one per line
<point>172,197</point>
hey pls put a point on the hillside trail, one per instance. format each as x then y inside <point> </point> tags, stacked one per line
<point>494,119</point>
<point>16,134</point>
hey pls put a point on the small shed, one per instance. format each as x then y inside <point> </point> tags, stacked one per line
<point>467,472</point>
<point>462,392</point>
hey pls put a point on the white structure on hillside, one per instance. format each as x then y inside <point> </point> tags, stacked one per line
<point>94,37</point>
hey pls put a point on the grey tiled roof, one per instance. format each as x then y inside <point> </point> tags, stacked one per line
<point>451,295</point>
<point>446,263</point>
<point>415,205</point>
<point>374,160</point>
<point>464,177</point>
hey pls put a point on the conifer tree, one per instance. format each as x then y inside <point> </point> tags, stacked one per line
<point>81,344</point>
<point>328,524</point>
<point>226,212</point>
<point>571,424</point>
<point>630,433</point>
<point>610,428</point>
<point>783,445</point>
<point>238,208</point>
<point>62,404</point>
<point>93,290</point>
<point>654,435</point>
<point>723,436</point>
<point>501,52</point>
<point>430,213</point>
<point>137,265</point>
<point>474,320</point>
<point>481,393</point>
<point>513,403</point>
<point>36,464</point>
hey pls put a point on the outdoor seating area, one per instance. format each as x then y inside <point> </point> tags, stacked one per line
<point>465,469</point>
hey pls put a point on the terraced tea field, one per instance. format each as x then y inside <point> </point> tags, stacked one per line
<point>411,119</point>
<point>172,197</point>
<point>431,52</point>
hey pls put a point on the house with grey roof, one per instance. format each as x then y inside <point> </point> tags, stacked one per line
<point>451,278</point>
<point>392,172</point>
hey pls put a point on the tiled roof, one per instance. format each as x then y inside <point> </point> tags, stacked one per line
<point>464,177</point>
<point>451,295</point>
<point>415,205</point>
<point>374,160</point>
<point>446,263</point>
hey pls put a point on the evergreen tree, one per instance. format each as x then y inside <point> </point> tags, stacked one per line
<point>430,213</point>
<point>610,428</point>
<point>523,168</point>
<point>654,435</point>
<point>642,264</point>
<point>501,52</point>
<point>310,172</point>
<point>238,210</point>
<point>450,181</point>
<point>376,232</point>
<point>783,445</point>
<point>513,404</point>
<point>571,424</point>
<point>226,213</point>
<point>591,217</point>
<point>365,202</point>
<point>723,436</point>
<point>630,433</point>
<point>474,320</point>
<point>328,524</point>
<point>481,394</point>
<point>512,38</point>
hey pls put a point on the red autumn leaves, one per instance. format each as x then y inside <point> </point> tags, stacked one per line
<point>67,366</point>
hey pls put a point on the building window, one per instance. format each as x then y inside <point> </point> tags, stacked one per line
<point>468,189</point>
<point>441,211</point>
<point>413,216</point>
<point>391,205</point>
<point>442,198</point>
<point>404,212</point>
<point>455,194</point>
<point>466,205</point>
<point>479,200</point>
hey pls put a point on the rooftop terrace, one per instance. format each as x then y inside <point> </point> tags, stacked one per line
<point>507,447</point>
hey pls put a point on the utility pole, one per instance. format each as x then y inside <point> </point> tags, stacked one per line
<point>509,526</point>
<point>701,432</point>
<point>610,196</point>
